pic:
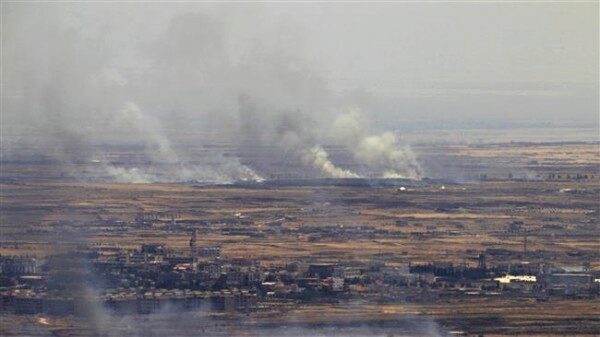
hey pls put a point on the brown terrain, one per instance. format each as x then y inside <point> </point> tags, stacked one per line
<point>417,224</point>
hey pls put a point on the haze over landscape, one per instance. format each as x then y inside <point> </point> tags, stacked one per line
<point>301,169</point>
<point>292,78</point>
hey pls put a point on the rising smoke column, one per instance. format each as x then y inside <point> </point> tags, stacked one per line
<point>291,133</point>
<point>159,149</point>
<point>318,158</point>
<point>381,154</point>
<point>67,97</point>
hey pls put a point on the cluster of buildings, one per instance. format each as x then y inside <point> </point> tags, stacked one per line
<point>154,278</point>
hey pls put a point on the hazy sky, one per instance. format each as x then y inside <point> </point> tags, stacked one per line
<point>404,64</point>
<point>466,60</point>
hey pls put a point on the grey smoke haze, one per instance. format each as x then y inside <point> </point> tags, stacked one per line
<point>281,78</point>
<point>291,132</point>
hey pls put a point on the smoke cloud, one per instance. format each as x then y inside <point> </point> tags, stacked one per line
<point>291,133</point>
<point>89,89</point>
<point>318,158</point>
<point>381,154</point>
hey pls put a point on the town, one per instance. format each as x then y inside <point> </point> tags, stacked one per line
<point>151,277</point>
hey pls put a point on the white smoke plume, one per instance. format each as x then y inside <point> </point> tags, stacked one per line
<point>380,153</point>
<point>318,158</point>
<point>128,175</point>
<point>224,171</point>
<point>131,119</point>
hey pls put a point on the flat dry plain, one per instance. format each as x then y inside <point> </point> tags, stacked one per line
<point>439,222</point>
